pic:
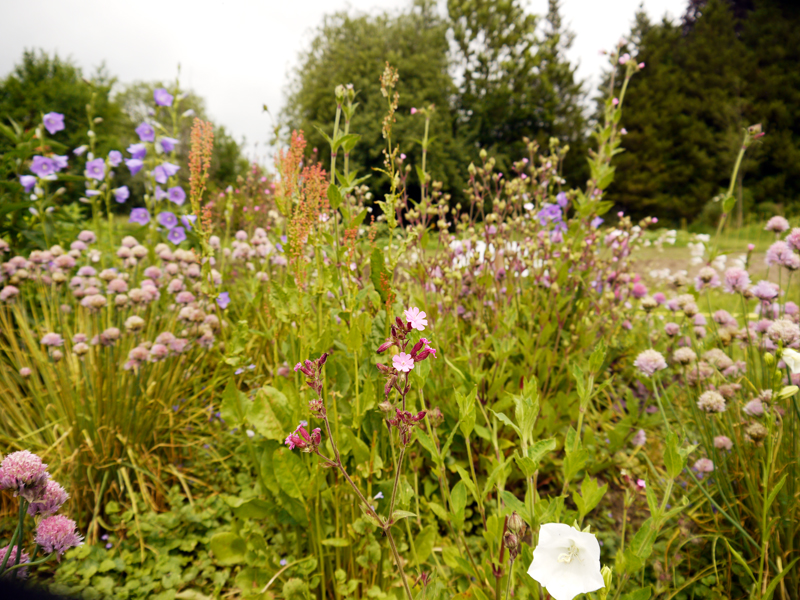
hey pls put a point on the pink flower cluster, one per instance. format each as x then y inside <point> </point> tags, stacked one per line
<point>307,442</point>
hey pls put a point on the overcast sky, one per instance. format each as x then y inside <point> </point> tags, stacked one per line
<point>237,53</point>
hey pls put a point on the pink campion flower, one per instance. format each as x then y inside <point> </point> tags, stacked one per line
<point>53,497</point>
<point>57,534</point>
<point>650,361</point>
<point>403,362</point>
<point>736,280</point>
<point>416,318</point>
<point>777,224</point>
<point>303,440</point>
<point>21,572</point>
<point>25,474</point>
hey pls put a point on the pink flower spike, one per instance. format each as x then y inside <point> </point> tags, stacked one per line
<point>403,362</point>
<point>415,318</point>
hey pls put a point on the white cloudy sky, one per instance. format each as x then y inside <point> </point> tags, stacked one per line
<point>238,53</point>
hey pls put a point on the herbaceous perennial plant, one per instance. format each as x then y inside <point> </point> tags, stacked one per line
<point>492,463</point>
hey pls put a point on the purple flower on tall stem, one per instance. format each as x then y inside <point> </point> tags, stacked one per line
<point>223,300</point>
<point>176,195</point>
<point>162,97</point>
<point>42,166</point>
<point>168,144</point>
<point>134,165</point>
<point>561,199</point>
<point>188,221</point>
<point>146,132</point>
<point>114,158</point>
<point>61,162</point>
<point>164,171</point>
<point>167,219</point>
<point>176,235</point>
<point>140,216</point>
<point>138,151</point>
<point>121,194</point>
<point>96,169</point>
<point>28,182</point>
<point>161,194</point>
<point>53,122</point>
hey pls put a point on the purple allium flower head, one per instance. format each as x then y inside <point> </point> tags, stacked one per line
<point>561,199</point>
<point>137,151</point>
<point>61,162</point>
<point>96,169</point>
<point>140,216</point>
<point>223,300</point>
<point>176,195</point>
<point>176,235</point>
<point>167,219</point>
<point>25,474</point>
<point>114,158</point>
<point>162,97</point>
<point>146,132</point>
<point>134,165</point>
<point>52,339</point>
<point>793,239</point>
<point>650,361</point>
<point>121,194</point>
<point>161,194</point>
<point>736,280</point>
<point>168,144</point>
<point>777,224</point>
<point>20,572</point>
<point>53,497</point>
<point>53,122</point>
<point>164,171</point>
<point>42,166</point>
<point>57,534</point>
<point>28,182</point>
<point>764,290</point>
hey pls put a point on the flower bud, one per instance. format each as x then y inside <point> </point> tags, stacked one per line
<point>339,92</point>
<point>515,524</point>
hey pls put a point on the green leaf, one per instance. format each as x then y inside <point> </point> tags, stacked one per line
<point>377,265</point>
<point>458,502</point>
<point>402,514</point>
<point>590,496</point>
<point>269,413</point>
<point>507,421</point>
<point>675,456</point>
<point>640,594</point>
<point>233,405</point>
<point>465,477</point>
<point>777,579</point>
<point>466,410</point>
<point>336,542</point>
<point>228,548</point>
<point>439,511</point>
<point>254,508</point>
<point>728,203</point>
<point>538,451</point>
<point>349,141</point>
<point>291,473</point>
<point>424,543</point>
<point>358,219</point>
<point>334,196</point>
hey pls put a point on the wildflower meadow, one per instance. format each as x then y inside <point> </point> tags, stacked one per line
<point>333,384</point>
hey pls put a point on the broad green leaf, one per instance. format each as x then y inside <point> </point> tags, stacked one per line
<point>506,421</point>
<point>269,413</point>
<point>402,514</point>
<point>424,543</point>
<point>458,500</point>
<point>466,410</point>
<point>228,548</point>
<point>538,451</point>
<point>233,405</point>
<point>640,594</point>
<point>334,196</point>
<point>291,473</point>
